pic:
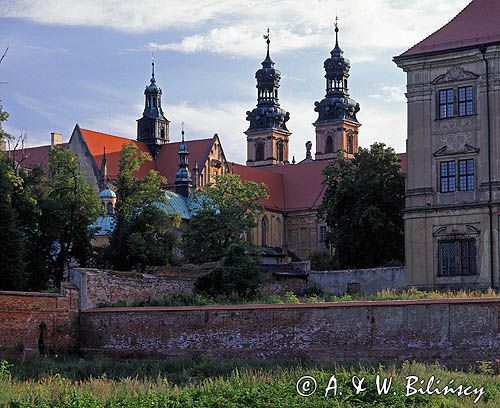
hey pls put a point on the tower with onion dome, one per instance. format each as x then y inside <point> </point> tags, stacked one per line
<point>267,135</point>
<point>152,128</point>
<point>337,125</point>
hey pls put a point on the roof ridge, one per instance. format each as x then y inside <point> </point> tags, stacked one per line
<point>107,134</point>
<point>439,29</point>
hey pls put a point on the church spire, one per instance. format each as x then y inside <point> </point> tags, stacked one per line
<point>337,125</point>
<point>267,135</point>
<point>183,181</point>
<point>268,113</point>
<point>336,31</point>
<point>337,103</point>
<point>153,80</point>
<point>152,128</point>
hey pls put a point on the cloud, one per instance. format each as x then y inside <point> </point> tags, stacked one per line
<point>390,93</point>
<point>233,28</point>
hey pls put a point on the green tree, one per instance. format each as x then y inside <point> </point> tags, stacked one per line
<point>69,206</point>
<point>363,206</point>
<point>144,234</point>
<point>12,243</point>
<point>4,135</point>
<point>228,209</point>
<point>238,277</point>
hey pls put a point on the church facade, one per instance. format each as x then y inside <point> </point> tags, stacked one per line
<point>453,178</point>
<point>289,221</point>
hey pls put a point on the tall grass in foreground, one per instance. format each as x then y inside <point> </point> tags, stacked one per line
<point>240,387</point>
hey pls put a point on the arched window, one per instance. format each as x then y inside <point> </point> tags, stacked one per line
<point>259,151</point>
<point>281,149</point>
<point>263,226</point>
<point>350,144</point>
<point>162,132</point>
<point>329,144</point>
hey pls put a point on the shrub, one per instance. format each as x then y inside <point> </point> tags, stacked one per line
<point>322,261</point>
<point>239,275</point>
<point>291,297</point>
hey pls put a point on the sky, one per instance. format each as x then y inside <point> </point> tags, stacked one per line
<point>88,62</point>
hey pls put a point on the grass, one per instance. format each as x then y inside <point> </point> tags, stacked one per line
<point>201,383</point>
<point>314,296</point>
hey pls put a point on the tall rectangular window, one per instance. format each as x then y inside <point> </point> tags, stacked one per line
<point>466,175</point>
<point>465,101</point>
<point>322,234</point>
<point>457,257</point>
<point>447,176</point>
<point>446,103</point>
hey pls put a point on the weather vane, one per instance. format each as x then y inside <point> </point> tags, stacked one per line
<point>267,36</point>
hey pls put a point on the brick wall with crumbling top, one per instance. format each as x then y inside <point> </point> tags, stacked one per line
<point>22,313</point>
<point>451,331</point>
<point>100,287</point>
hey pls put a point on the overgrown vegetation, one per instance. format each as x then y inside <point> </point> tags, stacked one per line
<point>363,206</point>
<point>227,210</point>
<point>238,276</point>
<point>322,261</point>
<point>202,383</point>
<point>312,295</point>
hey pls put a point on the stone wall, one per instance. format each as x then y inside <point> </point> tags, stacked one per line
<point>449,331</point>
<point>100,288</point>
<point>359,280</point>
<point>21,314</point>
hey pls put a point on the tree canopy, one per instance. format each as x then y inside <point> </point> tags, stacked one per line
<point>44,221</point>
<point>144,234</point>
<point>228,210</point>
<point>363,206</point>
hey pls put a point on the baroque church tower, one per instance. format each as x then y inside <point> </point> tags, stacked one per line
<point>337,125</point>
<point>267,135</point>
<point>152,128</point>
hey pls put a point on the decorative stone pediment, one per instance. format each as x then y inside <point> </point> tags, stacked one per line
<point>454,74</point>
<point>450,231</point>
<point>456,143</point>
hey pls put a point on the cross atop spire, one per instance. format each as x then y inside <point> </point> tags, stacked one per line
<point>268,62</point>
<point>267,37</point>
<point>153,67</point>
<point>336,25</point>
<point>182,131</point>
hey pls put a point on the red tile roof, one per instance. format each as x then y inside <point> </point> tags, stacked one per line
<point>97,142</point>
<point>168,159</point>
<point>403,159</point>
<point>476,24</point>
<point>31,157</point>
<point>167,162</point>
<point>273,181</point>
<point>291,187</point>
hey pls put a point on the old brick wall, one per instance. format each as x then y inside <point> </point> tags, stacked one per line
<point>21,314</point>
<point>99,287</point>
<point>450,331</point>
